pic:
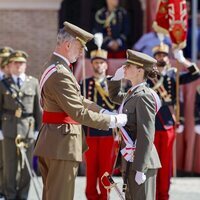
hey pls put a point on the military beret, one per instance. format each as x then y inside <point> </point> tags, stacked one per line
<point>162,48</point>
<point>99,53</point>
<point>18,56</point>
<point>80,34</point>
<point>140,59</point>
<point>5,51</point>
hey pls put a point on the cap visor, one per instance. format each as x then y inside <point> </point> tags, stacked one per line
<point>20,59</point>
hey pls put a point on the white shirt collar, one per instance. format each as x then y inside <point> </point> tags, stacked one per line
<point>65,59</point>
<point>133,87</point>
<point>21,76</point>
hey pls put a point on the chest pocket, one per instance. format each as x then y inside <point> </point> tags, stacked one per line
<point>28,96</point>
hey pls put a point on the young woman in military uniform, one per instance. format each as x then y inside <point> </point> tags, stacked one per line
<point>139,156</point>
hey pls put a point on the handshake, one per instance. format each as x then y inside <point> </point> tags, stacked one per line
<point>116,120</point>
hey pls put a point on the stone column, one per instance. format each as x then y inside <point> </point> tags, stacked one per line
<point>30,26</point>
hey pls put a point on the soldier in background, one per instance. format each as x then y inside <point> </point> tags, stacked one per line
<point>100,156</point>
<point>113,22</point>
<point>21,115</point>
<point>4,53</point>
<point>165,85</point>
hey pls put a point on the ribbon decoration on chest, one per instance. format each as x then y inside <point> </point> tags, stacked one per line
<point>47,73</point>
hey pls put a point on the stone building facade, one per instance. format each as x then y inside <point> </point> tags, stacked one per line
<point>30,25</point>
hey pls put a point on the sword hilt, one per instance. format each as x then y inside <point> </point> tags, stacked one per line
<point>110,179</point>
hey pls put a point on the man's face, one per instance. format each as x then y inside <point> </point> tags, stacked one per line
<point>162,61</point>
<point>99,66</point>
<point>75,50</point>
<point>17,68</point>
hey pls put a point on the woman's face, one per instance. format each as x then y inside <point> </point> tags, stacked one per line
<point>131,72</point>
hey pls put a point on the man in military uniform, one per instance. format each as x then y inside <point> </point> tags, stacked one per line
<point>113,22</point>
<point>100,156</point>
<point>4,53</point>
<point>21,116</point>
<point>60,143</point>
<point>165,86</point>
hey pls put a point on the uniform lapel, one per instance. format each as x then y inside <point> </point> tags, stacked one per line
<point>133,92</point>
<point>13,85</point>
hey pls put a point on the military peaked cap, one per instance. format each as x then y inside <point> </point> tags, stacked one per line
<point>5,51</point>
<point>140,59</point>
<point>80,34</point>
<point>18,56</point>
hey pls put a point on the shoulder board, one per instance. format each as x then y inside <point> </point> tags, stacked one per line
<point>61,68</point>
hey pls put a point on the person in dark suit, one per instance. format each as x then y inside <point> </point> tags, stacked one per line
<point>140,160</point>
<point>21,116</point>
<point>165,86</point>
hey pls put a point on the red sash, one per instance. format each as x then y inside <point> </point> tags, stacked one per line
<point>57,118</point>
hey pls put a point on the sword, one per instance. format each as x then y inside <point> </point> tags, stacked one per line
<point>112,185</point>
<point>22,146</point>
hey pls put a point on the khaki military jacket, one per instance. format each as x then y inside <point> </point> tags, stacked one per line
<point>61,93</point>
<point>140,107</point>
<point>30,119</point>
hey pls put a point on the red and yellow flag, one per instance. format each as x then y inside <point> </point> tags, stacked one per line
<point>172,19</point>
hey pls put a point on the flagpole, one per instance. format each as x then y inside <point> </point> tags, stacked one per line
<point>194,30</point>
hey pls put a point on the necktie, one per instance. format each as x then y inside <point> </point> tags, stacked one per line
<point>18,82</point>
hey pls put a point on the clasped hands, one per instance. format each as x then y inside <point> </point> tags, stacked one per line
<point>116,120</point>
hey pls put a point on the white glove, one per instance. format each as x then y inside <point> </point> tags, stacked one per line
<point>119,74</point>
<point>1,135</point>
<point>104,111</point>
<point>178,54</point>
<point>140,178</point>
<point>118,120</point>
<point>197,129</point>
<point>180,128</point>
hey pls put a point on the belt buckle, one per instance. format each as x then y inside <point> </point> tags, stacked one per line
<point>18,113</point>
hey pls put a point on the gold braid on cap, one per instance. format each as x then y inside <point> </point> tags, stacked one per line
<point>81,41</point>
<point>136,63</point>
